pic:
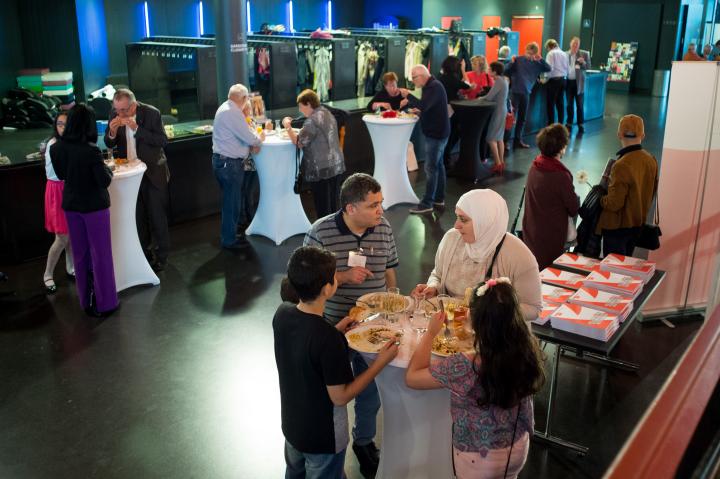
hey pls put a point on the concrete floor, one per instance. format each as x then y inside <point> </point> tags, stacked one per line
<point>181,382</point>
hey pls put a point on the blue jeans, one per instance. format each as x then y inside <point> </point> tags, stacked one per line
<point>229,173</point>
<point>300,465</point>
<point>434,171</point>
<point>367,403</point>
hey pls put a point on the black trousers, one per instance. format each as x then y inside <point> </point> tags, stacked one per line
<point>151,219</point>
<point>574,101</point>
<point>520,103</point>
<point>620,241</point>
<point>555,100</point>
<point>326,195</point>
<point>454,137</point>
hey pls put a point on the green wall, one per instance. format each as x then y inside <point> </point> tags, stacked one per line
<point>11,54</point>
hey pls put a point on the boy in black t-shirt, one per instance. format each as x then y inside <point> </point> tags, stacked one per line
<point>316,381</point>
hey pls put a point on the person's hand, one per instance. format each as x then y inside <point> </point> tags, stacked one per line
<point>403,103</point>
<point>255,150</point>
<point>581,60</point>
<point>130,123</point>
<point>262,135</point>
<point>344,324</point>
<point>355,275</point>
<point>269,125</point>
<point>115,123</point>
<point>436,323</point>
<point>404,92</point>
<point>386,105</point>
<point>286,122</point>
<point>423,291</point>
<point>472,86</point>
<point>388,353</point>
<point>415,111</point>
<point>537,57</point>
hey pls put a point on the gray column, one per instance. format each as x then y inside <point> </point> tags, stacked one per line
<point>230,45</point>
<point>554,21</point>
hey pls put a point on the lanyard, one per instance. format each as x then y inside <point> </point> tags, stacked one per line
<point>488,273</point>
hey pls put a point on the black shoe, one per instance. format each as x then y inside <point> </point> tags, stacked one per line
<point>369,458</point>
<point>100,314</point>
<point>159,265</point>
<point>439,204</point>
<point>581,130</point>
<point>238,244</point>
<point>50,286</point>
<point>420,209</point>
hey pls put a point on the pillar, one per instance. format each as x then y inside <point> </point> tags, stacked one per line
<point>230,45</point>
<point>554,21</point>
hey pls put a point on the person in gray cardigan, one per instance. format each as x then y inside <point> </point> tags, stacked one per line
<point>579,61</point>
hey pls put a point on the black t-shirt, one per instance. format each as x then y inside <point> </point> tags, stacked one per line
<point>452,85</point>
<point>310,354</point>
<point>384,97</point>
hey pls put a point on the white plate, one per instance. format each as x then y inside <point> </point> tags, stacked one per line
<point>375,298</point>
<point>270,132</point>
<point>360,338</point>
<point>461,346</point>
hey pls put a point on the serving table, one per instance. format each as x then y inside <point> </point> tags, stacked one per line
<point>390,137</point>
<point>280,214</point>
<point>417,426</point>
<point>130,264</point>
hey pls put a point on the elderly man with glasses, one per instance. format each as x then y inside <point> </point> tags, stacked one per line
<point>137,131</point>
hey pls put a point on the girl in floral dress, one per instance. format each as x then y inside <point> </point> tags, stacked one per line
<point>491,388</point>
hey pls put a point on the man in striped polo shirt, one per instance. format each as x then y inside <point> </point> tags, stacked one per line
<point>359,232</point>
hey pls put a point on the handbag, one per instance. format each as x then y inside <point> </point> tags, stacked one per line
<point>518,233</point>
<point>297,187</point>
<point>649,237</point>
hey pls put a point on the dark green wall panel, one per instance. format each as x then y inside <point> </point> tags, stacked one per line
<point>11,52</point>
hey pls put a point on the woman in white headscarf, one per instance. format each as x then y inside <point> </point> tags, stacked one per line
<point>479,247</point>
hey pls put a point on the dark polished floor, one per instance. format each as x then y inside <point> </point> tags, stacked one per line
<point>181,382</point>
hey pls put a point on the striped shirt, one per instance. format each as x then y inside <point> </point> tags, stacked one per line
<point>378,245</point>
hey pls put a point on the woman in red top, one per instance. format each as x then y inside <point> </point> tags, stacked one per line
<point>479,78</point>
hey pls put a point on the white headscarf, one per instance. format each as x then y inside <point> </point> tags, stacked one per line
<point>489,214</point>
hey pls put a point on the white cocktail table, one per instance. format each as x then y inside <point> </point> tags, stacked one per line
<point>280,214</point>
<point>390,137</point>
<point>131,265</point>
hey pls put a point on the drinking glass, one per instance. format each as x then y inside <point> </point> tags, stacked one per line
<point>419,320</point>
<point>449,304</point>
<point>393,290</point>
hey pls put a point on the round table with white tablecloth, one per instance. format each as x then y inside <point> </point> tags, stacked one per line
<point>280,214</point>
<point>417,426</point>
<point>130,264</point>
<point>390,137</point>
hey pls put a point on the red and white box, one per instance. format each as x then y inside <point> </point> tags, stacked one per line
<point>564,279</point>
<point>635,267</point>
<point>555,294</point>
<point>588,322</point>
<point>548,308</point>
<point>603,301</point>
<point>577,262</point>
<point>614,283</point>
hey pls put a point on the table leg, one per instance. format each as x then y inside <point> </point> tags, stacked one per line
<point>544,436</point>
<point>581,355</point>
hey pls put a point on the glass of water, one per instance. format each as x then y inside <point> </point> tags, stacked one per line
<point>419,320</point>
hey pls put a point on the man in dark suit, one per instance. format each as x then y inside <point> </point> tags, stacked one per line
<point>137,131</point>
<point>579,61</point>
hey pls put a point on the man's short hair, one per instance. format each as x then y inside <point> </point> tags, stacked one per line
<point>504,51</point>
<point>310,268</point>
<point>575,39</point>
<point>422,69</point>
<point>498,68</point>
<point>356,187</point>
<point>551,44</point>
<point>388,77</point>
<point>308,97</point>
<point>238,91</point>
<point>533,47</point>
<point>552,139</point>
<point>121,93</point>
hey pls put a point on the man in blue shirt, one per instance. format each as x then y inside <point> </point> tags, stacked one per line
<point>233,141</point>
<point>435,124</point>
<point>523,72</point>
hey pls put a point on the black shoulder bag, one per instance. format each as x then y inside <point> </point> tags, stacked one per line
<point>650,234</point>
<point>514,231</point>
<point>298,187</point>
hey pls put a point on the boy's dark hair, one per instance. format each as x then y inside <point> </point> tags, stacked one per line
<point>310,268</point>
<point>498,68</point>
<point>81,127</point>
<point>552,139</point>
<point>287,292</point>
<point>356,187</point>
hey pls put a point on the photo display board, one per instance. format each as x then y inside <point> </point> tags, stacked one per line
<point>621,61</point>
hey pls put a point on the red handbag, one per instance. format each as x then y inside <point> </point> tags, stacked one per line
<point>509,120</point>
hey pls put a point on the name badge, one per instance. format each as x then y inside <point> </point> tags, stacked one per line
<point>356,259</point>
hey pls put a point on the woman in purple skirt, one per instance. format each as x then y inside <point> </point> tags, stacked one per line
<point>78,161</point>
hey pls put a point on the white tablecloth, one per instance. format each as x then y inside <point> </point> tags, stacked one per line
<point>390,137</point>
<point>417,427</point>
<point>280,214</point>
<point>131,266</point>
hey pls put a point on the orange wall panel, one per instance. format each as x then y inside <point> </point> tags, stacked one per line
<point>491,44</point>
<point>530,30</point>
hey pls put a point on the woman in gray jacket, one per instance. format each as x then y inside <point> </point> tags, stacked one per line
<point>496,130</point>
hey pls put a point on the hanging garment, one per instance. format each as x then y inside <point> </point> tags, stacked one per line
<point>263,56</point>
<point>374,84</point>
<point>322,73</point>
<point>251,68</point>
<point>363,51</point>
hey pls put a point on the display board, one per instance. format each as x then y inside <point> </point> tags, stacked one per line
<point>688,196</point>
<point>621,61</point>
